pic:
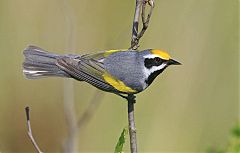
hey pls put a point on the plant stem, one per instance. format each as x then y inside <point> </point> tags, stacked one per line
<point>140,7</point>
<point>131,122</point>
<point>30,135</point>
<point>134,41</point>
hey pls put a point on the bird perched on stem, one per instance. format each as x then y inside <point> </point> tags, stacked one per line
<point>116,71</point>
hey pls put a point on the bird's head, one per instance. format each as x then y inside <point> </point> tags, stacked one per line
<point>155,62</point>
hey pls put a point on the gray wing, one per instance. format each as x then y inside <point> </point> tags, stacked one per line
<point>87,69</point>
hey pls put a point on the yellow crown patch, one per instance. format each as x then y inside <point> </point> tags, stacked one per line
<point>162,54</point>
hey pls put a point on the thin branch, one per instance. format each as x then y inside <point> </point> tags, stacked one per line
<point>82,121</point>
<point>89,112</point>
<point>136,36</point>
<point>30,135</point>
<point>134,43</point>
<point>145,21</point>
<point>69,111</point>
<point>131,122</point>
<point>71,142</point>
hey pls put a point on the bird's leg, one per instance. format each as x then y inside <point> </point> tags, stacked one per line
<point>131,97</point>
<point>125,97</point>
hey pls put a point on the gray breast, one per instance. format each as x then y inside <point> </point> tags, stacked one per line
<point>126,66</point>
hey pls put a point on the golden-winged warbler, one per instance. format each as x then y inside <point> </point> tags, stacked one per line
<point>115,71</point>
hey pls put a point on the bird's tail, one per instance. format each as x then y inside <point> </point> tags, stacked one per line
<point>39,63</point>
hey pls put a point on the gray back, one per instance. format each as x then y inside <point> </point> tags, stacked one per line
<point>127,66</point>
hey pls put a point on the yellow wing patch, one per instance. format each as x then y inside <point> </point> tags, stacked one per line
<point>162,54</point>
<point>109,52</point>
<point>117,84</point>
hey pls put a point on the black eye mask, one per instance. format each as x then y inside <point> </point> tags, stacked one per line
<point>150,62</point>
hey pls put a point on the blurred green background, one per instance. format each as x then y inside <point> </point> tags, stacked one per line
<point>188,108</point>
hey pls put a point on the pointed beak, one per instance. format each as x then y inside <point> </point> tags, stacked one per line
<point>173,62</point>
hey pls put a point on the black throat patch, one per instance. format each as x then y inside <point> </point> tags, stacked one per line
<point>149,63</point>
<point>153,75</point>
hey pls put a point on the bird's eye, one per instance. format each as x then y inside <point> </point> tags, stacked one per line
<point>157,59</point>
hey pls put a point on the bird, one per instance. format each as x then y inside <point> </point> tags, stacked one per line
<point>122,72</point>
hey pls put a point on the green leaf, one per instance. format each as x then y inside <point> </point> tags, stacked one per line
<point>121,141</point>
<point>236,131</point>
